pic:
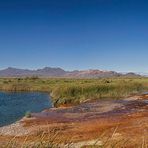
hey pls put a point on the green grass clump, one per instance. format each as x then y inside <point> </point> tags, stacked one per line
<point>28,114</point>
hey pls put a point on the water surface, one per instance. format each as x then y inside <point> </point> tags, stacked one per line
<point>13,106</point>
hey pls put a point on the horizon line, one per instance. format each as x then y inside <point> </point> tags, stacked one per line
<point>15,67</point>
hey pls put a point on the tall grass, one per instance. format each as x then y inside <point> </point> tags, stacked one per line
<point>70,91</point>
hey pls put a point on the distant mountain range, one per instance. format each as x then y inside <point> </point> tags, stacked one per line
<point>58,72</point>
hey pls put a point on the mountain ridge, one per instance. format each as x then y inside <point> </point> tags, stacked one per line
<point>59,72</point>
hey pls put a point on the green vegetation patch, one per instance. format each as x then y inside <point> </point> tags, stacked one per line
<point>73,91</point>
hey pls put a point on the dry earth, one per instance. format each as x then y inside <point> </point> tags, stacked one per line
<point>89,123</point>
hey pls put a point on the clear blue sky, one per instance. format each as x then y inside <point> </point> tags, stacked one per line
<point>74,34</point>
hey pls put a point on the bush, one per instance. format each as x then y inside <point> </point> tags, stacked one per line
<point>28,114</point>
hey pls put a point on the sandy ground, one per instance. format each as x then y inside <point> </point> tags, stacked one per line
<point>125,120</point>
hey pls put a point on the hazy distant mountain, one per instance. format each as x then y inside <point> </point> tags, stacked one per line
<point>10,72</point>
<point>92,74</point>
<point>58,72</point>
<point>131,74</point>
<point>47,71</point>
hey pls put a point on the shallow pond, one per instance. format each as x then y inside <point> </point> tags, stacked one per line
<point>13,106</point>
